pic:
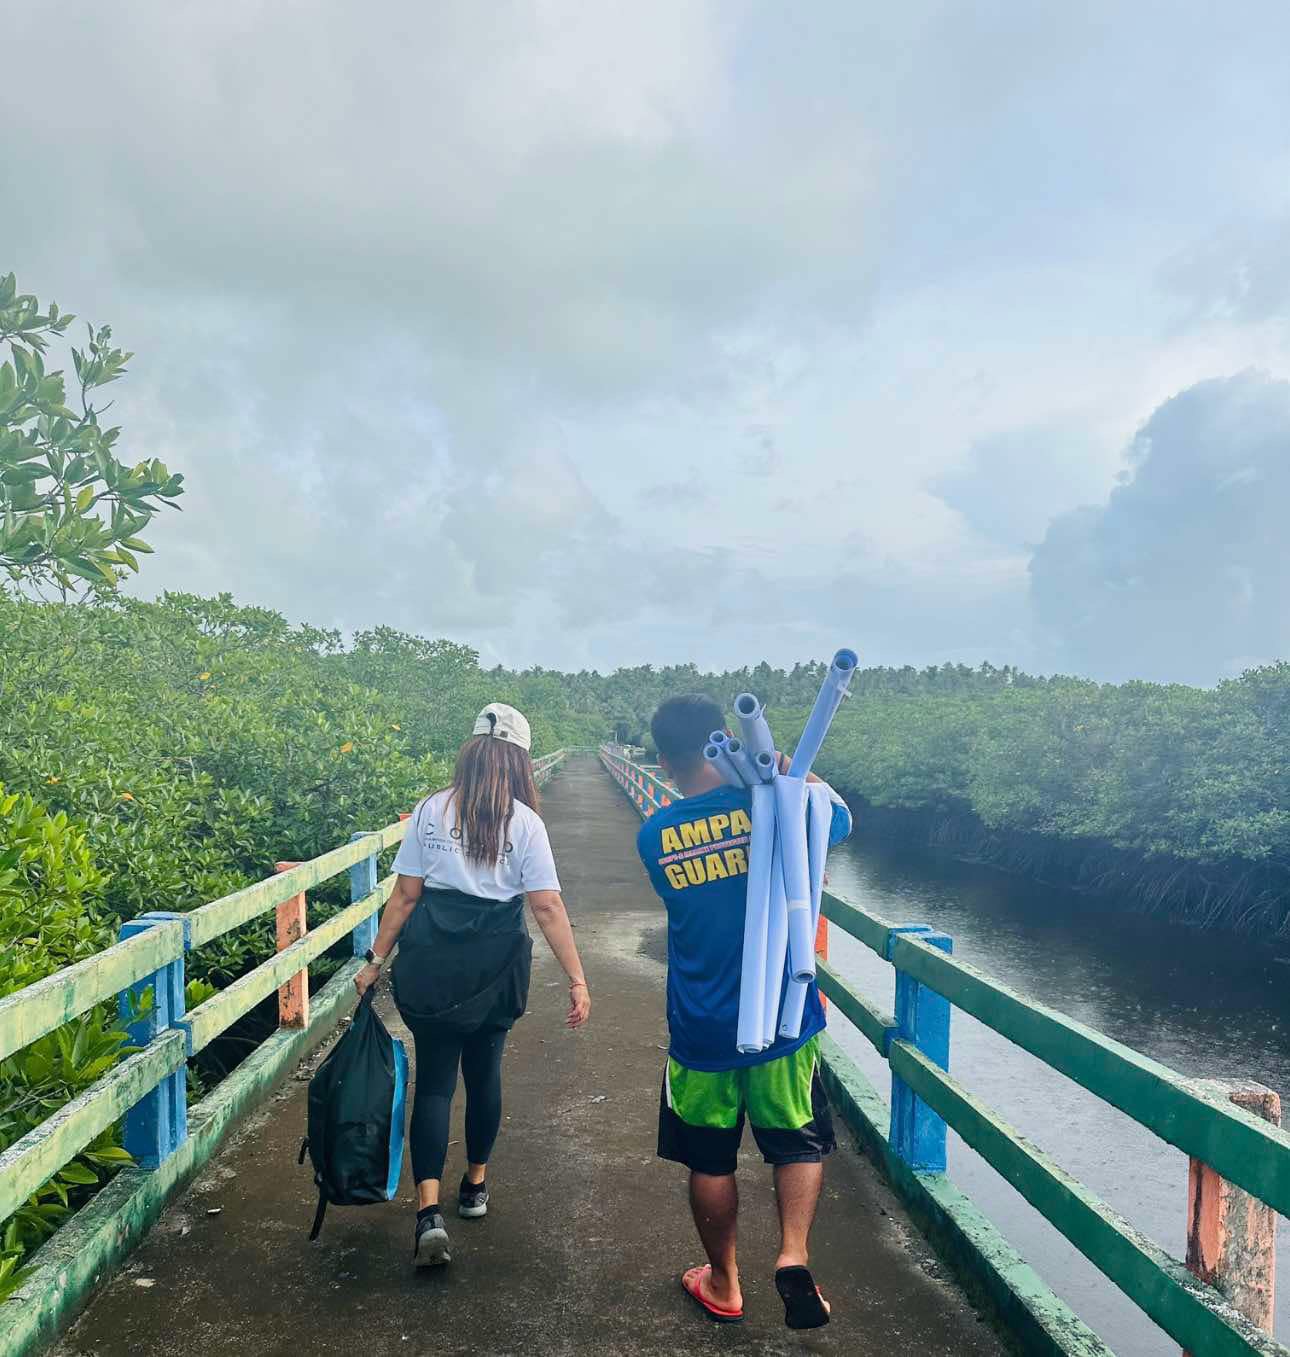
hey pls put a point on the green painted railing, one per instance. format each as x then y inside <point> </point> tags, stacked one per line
<point>132,965</point>
<point>147,1089</point>
<point>1237,1144</point>
<point>545,766</point>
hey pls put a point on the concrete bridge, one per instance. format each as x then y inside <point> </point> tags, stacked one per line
<point>588,1232</point>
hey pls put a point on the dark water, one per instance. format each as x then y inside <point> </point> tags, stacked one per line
<point>1204,1004</point>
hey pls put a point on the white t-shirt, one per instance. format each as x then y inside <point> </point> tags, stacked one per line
<point>432,850</point>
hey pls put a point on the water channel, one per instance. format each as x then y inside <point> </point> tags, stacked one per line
<point>1205,1004</point>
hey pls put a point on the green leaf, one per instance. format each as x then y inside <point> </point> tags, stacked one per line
<point>21,475</point>
<point>78,1173</point>
<point>110,1155</point>
<point>120,555</point>
<point>91,1071</point>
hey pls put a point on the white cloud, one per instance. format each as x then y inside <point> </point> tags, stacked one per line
<point>636,327</point>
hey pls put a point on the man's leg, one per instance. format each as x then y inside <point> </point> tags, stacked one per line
<point>790,1119</point>
<point>715,1202</point>
<point>700,1122</point>
<point>797,1190</point>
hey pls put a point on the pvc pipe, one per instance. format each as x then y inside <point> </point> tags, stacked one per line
<point>776,950</point>
<point>720,759</point>
<point>719,738</point>
<point>819,820</point>
<point>738,756</point>
<point>752,721</point>
<point>752,985</point>
<point>790,815</point>
<point>766,766</point>
<point>832,691</point>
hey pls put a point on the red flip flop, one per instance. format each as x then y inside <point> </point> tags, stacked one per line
<point>692,1284</point>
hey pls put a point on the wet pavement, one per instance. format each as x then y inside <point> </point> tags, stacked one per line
<point>587,1232</point>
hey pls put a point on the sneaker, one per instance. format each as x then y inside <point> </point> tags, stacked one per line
<point>472,1199</point>
<point>430,1244</point>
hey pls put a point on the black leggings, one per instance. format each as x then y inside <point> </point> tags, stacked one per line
<point>438,1055</point>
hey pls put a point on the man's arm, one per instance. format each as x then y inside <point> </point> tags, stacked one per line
<point>842,823</point>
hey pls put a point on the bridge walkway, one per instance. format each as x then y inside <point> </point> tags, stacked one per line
<point>588,1231</point>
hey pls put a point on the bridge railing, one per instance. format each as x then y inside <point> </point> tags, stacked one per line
<point>144,974</point>
<point>545,766</point>
<point>1235,1143</point>
<point>645,786</point>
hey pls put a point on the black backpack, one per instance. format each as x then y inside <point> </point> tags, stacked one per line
<point>356,1100</point>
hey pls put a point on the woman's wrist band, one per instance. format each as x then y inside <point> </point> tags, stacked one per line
<point>573,984</point>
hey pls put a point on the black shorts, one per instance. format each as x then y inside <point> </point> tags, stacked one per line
<point>701,1113</point>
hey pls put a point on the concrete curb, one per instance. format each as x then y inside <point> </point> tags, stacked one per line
<point>94,1242</point>
<point>1027,1313</point>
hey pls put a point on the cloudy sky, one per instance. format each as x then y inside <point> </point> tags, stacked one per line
<point>597,334</point>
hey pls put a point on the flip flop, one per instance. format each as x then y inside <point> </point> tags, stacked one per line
<point>692,1283</point>
<point>803,1302</point>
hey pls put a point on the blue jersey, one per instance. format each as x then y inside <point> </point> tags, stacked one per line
<point>696,854</point>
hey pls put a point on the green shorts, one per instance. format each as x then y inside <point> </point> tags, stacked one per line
<point>701,1113</point>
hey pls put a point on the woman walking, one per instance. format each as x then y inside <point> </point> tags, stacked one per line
<point>471,854</point>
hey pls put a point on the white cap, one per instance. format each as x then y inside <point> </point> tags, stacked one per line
<point>503,723</point>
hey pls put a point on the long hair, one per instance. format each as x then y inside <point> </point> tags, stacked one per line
<point>490,777</point>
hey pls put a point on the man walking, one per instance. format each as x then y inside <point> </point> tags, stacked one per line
<point>696,854</point>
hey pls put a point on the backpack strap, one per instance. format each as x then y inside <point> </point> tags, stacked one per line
<point>319,1214</point>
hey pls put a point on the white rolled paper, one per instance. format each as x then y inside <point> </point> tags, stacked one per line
<point>819,820</point>
<point>776,949</point>
<point>790,817</point>
<point>749,1036</point>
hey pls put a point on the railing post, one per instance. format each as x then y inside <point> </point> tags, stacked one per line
<point>157,1125</point>
<point>1231,1236</point>
<point>292,925</point>
<point>362,882</point>
<point>923,1020</point>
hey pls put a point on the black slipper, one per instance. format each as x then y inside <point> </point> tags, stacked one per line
<point>803,1307</point>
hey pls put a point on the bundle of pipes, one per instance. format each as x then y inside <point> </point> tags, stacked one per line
<point>789,841</point>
